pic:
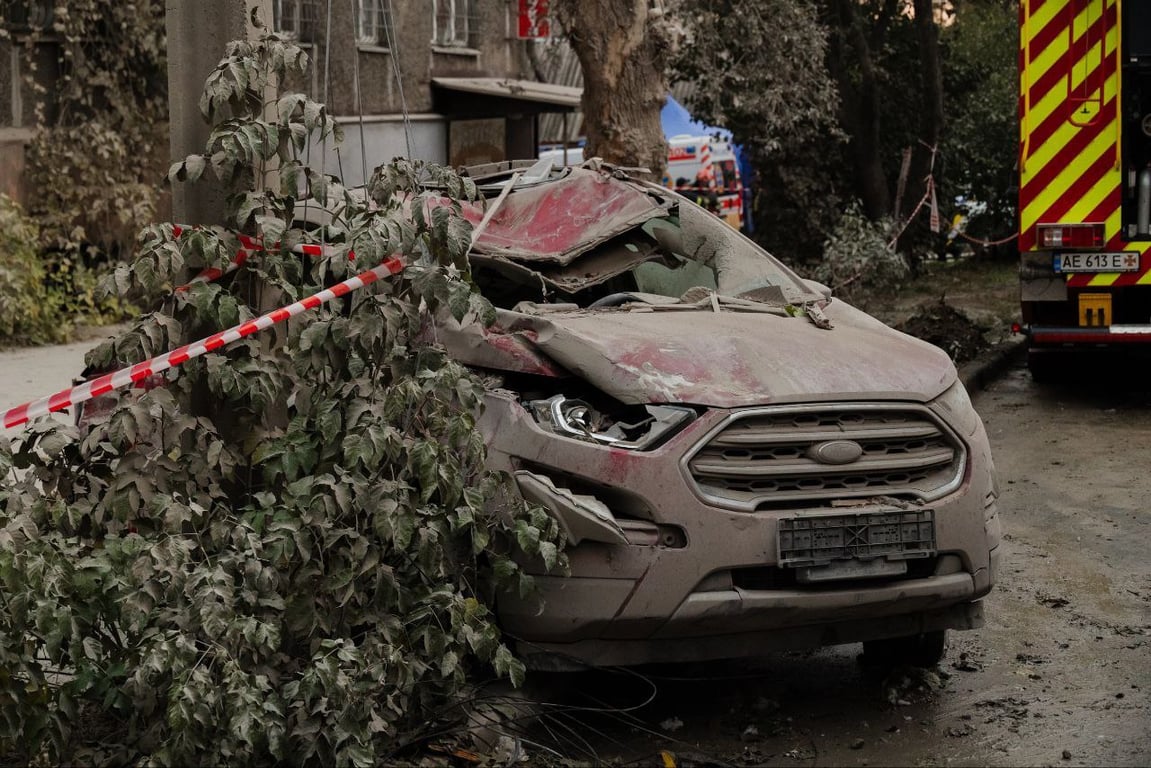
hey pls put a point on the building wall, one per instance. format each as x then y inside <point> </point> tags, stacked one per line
<point>18,105</point>
<point>494,52</point>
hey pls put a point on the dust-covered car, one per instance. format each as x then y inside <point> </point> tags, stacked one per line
<point>741,463</point>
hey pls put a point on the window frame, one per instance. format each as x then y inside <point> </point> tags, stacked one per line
<point>304,27</point>
<point>29,16</point>
<point>457,11</point>
<point>380,22</point>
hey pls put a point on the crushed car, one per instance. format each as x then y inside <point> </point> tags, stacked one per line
<point>740,461</point>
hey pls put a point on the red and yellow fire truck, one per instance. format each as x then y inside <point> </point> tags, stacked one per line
<point>1084,176</point>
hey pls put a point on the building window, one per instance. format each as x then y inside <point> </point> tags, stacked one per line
<point>373,23</point>
<point>296,19</point>
<point>29,15</point>
<point>453,23</point>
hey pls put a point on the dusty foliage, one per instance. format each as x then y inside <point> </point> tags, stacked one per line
<point>28,312</point>
<point>757,69</point>
<point>101,125</point>
<point>857,258</point>
<point>286,552</point>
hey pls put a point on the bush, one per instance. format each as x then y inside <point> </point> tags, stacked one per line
<point>111,189</point>
<point>29,313</point>
<point>101,144</point>
<point>284,552</point>
<point>857,259</point>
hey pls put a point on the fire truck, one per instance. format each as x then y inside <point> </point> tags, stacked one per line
<point>1084,177</point>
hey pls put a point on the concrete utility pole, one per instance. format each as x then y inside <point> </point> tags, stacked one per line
<point>198,31</point>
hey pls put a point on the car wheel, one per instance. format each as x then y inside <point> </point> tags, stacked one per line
<point>922,650</point>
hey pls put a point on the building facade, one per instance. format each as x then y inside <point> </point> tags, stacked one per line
<point>17,91</point>
<point>449,81</point>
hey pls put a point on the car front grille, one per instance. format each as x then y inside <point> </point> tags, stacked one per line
<point>767,457</point>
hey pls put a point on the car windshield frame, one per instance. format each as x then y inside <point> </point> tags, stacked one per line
<point>629,223</point>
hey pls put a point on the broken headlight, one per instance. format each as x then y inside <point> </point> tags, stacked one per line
<point>636,428</point>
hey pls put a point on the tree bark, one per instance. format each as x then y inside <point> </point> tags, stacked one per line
<point>859,108</point>
<point>931,125</point>
<point>623,50</point>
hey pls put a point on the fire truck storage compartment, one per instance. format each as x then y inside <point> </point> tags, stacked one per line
<point>1136,105</point>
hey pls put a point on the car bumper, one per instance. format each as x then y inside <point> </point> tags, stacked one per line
<point>683,591</point>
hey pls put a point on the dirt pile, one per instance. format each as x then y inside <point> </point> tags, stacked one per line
<point>947,328</point>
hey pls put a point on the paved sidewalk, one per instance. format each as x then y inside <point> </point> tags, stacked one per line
<point>978,373</point>
<point>29,373</point>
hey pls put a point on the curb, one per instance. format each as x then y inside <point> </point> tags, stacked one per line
<point>983,370</point>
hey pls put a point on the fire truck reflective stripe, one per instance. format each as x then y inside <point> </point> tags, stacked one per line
<point>1050,107</point>
<point>1108,211</point>
<point>1048,158</point>
<point>1104,279</point>
<point>1054,58</point>
<point>1143,277</point>
<point>1051,51</point>
<point>1070,118</point>
<point>1075,201</point>
<point>1046,25</point>
<point>1054,200</point>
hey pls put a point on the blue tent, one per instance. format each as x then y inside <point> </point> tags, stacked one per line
<point>676,121</point>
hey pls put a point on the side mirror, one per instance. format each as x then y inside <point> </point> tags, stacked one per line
<point>819,288</point>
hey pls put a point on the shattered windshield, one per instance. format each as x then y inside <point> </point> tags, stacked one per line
<point>593,240</point>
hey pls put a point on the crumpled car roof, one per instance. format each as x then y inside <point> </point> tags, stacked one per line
<point>559,220</point>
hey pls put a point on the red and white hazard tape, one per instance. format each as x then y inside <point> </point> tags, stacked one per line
<point>248,246</point>
<point>125,377</point>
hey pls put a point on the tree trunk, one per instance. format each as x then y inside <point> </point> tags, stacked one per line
<point>931,125</point>
<point>623,51</point>
<point>859,108</point>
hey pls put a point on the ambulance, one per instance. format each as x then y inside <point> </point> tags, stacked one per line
<point>702,168</point>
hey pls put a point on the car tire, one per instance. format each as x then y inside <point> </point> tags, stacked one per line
<point>922,650</point>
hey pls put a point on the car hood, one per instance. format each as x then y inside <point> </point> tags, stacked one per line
<point>724,359</point>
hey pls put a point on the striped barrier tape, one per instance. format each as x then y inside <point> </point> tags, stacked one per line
<point>248,246</point>
<point>125,377</point>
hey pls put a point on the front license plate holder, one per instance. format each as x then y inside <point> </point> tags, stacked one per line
<point>876,567</point>
<point>851,541</point>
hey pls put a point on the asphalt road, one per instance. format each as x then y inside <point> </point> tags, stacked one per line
<point>1061,674</point>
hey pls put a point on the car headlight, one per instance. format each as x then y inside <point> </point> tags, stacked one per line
<point>636,428</point>
<point>955,407</point>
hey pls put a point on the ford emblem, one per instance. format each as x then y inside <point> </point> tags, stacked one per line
<point>836,452</point>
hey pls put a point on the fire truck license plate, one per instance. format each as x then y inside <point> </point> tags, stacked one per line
<point>1115,261</point>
